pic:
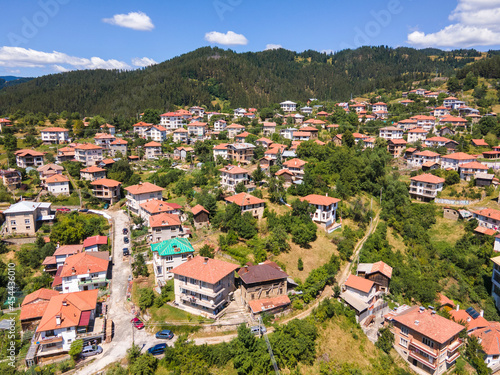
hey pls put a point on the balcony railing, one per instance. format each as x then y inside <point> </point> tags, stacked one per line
<point>453,358</point>
<point>424,348</point>
<point>203,290</point>
<point>423,359</point>
<point>202,302</point>
<point>93,281</point>
<point>455,345</point>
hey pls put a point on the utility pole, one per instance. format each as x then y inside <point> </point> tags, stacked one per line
<point>381,196</point>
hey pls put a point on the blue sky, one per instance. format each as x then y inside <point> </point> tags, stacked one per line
<point>40,37</point>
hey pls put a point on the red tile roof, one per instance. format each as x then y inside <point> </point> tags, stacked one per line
<point>427,153</point>
<point>197,209</point>
<point>486,231</point>
<point>153,144</point>
<point>232,169</point>
<point>68,249</point>
<point>480,142</point>
<point>25,152</point>
<point>283,171</point>
<point>320,200</point>
<point>164,220</point>
<point>56,178</point>
<point>474,165</point>
<point>443,300</point>
<point>431,325</point>
<point>383,268</point>
<point>95,240</point>
<point>428,178</point>
<point>205,269</point>
<point>156,206</point>
<point>489,337</point>
<point>92,169</point>
<point>359,283</point>
<point>260,305</point>
<point>488,212</point>
<point>83,263</point>
<point>459,156</point>
<point>106,182</point>
<point>54,129</point>
<point>40,294</point>
<point>462,315</point>
<point>143,188</point>
<point>244,199</point>
<point>119,141</point>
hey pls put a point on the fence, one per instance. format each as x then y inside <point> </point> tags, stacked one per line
<point>456,202</point>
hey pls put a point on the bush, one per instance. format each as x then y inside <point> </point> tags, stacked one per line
<point>146,298</point>
<point>76,349</point>
<point>300,264</point>
<point>297,304</point>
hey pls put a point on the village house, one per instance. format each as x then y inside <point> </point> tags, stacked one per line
<point>55,262</point>
<point>407,124</point>
<point>167,255</point>
<point>455,160</point>
<point>111,129</point>
<point>157,206</point>
<point>232,175</point>
<point>183,153</point>
<point>306,110</point>
<point>379,272</point>
<point>200,216</point>
<point>141,193</point>
<point>326,208</point>
<point>180,135</point>
<point>239,112</point>
<point>417,134</point>
<point>240,138</point>
<point>451,102</point>
<point>152,150</point>
<point>92,173</point>
<point>473,320</point>
<point>55,135</point>
<point>104,140</point>
<point>57,184</point>
<point>407,102</point>
<point>68,317</point>
<point>437,141</point>
<point>197,129</point>
<point>240,153</point>
<point>489,337</point>
<point>203,286</point>
<point>248,203</point>
<point>156,133</point>
<point>29,158</point>
<point>420,158</point>
<point>395,147</point>
<point>295,165</point>
<point>445,131</point>
<point>94,243</point>
<point>88,154</point>
<point>391,132</point>
<point>220,150</point>
<point>441,111</point>
<point>425,122</point>
<point>141,129</point>
<point>197,111</point>
<point>452,120</point>
<point>313,132</point>
<point>26,217</point>
<point>426,340</point>
<point>107,190</point>
<point>85,271</point>
<point>65,154</point>
<point>11,178</point>
<point>173,120</point>
<point>479,143</point>
<point>118,145</point>
<point>220,125</point>
<point>379,106</point>
<point>425,187</point>
<point>33,307</point>
<point>358,107</point>
<point>362,295</point>
<point>288,106</point>
<point>48,170</point>
<point>268,128</point>
<point>301,136</point>
<point>264,142</point>
<point>287,133</point>
<point>468,171</point>
<point>488,218</point>
<point>165,226</point>
<point>264,287</point>
<point>234,129</point>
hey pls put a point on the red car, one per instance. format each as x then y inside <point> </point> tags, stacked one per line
<point>63,209</point>
<point>137,323</point>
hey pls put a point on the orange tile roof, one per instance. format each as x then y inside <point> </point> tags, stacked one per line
<point>486,231</point>
<point>428,178</point>
<point>488,212</point>
<point>205,269</point>
<point>68,249</point>
<point>397,141</point>
<point>418,130</point>
<point>197,209</point>
<point>69,307</point>
<point>160,128</point>
<point>92,169</point>
<point>153,144</point>
<point>34,310</point>
<point>265,304</point>
<point>56,178</point>
<point>88,146</point>
<point>443,300</point>
<point>83,263</point>
<point>431,325</point>
<point>142,124</point>
<point>283,171</point>
<point>459,156</point>
<point>232,169</point>
<point>25,152</point>
<point>103,136</point>
<point>106,182</point>
<point>164,220</point>
<point>427,153</point>
<point>155,206</point>
<point>359,283</point>
<point>95,240</point>
<point>42,294</point>
<point>180,130</point>
<point>119,141</point>
<point>235,126</point>
<point>489,337</point>
<point>320,200</point>
<point>143,188</point>
<point>474,165</point>
<point>480,142</point>
<point>383,268</point>
<point>295,162</point>
<point>244,199</point>
<point>462,315</point>
<point>449,118</point>
<point>54,129</point>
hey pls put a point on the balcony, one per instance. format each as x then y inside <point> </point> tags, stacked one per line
<point>424,348</point>
<point>454,346</point>
<point>202,302</point>
<point>203,290</point>
<point>453,358</point>
<point>423,359</point>
<point>97,280</point>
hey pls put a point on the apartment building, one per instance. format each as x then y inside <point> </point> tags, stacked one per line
<point>88,154</point>
<point>55,135</point>
<point>169,254</point>
<point>425,187</point>
<point>107,190</point>
<point>417,134</point>
<point>455,160</point>
<point>391,132</point>
<point>29,158</point>
<point>141,193</point>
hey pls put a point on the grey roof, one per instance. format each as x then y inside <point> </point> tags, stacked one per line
<point>24,206</point>
<point>4,324</point>
<point>365,267</point>
<point>288,154</point>
<point>484,176</point>
<point>354,302</point>
<point>241,145</point>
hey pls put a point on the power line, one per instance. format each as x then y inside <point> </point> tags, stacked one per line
<point>270,349</point>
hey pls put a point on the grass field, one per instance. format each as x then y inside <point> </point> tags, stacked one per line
<point>447,231</point>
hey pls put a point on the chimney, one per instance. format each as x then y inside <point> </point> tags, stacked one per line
<point>58,320</point>
<point>64,302</point>
<point>481,313</point>
<point>458,307</point>
<point>73,270</point>
<point>205,260</point>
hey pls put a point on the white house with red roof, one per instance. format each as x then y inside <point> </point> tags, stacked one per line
<point>379,106</point>
<point>94,243</point>
<point>220,150</point>
<point>407,124</point>
<point>452,120</point>
<point>85,271</point>
<point>29,158</point>
<point>118,145</point>
<point>180,135</point>
<point>326,208</point>
<point>425,122</point>
<point>488,218</point>
<point>88,154</point>
<point>295,165</point>
<point>104,140</point>
<point>248,203</point>
<point>391,132</point>
<point>158,206</point>
<point>489,337</point>
<point>417,134</point>
<point>164,226</point>
<point>203,286</point>
<point>55,135</point>
<point>92,173</point>
<point>234,129</point>
<point>425,186</point>
<point>362,296</point>
<point>110,128</point>
<point>141,128</point>
<point>232,175</point>
<point>141,193</point>
<point>57,184</point>
<point>173,120</point>
<point>422,157</point>
<point>455,160</point>
<point>268,128</point>
<point>157,133</point>
<point>152,150</point>
<point>197,129</point>
<point>441,111</point>
<point>220,125</point>
<point>468,170</point>
<point>33,307</point>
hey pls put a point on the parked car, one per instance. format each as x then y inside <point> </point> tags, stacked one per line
<point>126,240</point>
<point>91,350</point>
<point>125,251</point>
<point>125,230</point>
<point>83,210</point>
<point>63,209</point>
<point>257,330</point>
<point>165,334</point>
<point>157,349</point>
<point>130,278</point>
<point>137,323</point>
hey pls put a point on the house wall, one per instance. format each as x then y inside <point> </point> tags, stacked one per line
<point>58,188</point>
<point>269,289</point>
<point>72,283</point>
<point>134,201</point>
<point>163,233</point>
<point>21,223</point>
<point>163,264</point>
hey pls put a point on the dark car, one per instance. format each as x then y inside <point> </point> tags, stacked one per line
<point>137,323</point>
<point>157,349</point>
<point>126,240</point>
<point>125,251</point>
<point>83,210</point>
<point>125,230</point>
<point>165,334</point>
<point>63,209</point>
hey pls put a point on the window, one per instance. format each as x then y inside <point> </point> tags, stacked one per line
<point>12,222</point>
<point>169,269</point>
<point>169,258</point>
<point>428,342</point>
<point>158,270</point>
<point>26,221</point>
<point>404,331</point>
<point>403,342</point>
<point>193,281</point>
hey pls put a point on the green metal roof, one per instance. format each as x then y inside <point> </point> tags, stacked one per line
<point>172,247</point>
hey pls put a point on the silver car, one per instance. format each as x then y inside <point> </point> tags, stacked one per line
<point>89,351</point>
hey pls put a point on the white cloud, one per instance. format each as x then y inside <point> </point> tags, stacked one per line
<point>14,57</point>
<point>145,61</point>
<point>228,39</point>
<point>133,20</point>
<point>273,46</point>
<point>60,69</point>
<point>477,24</point>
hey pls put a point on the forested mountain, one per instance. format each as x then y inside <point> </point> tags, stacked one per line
<point>246,79</point>
<point>6,81</point>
